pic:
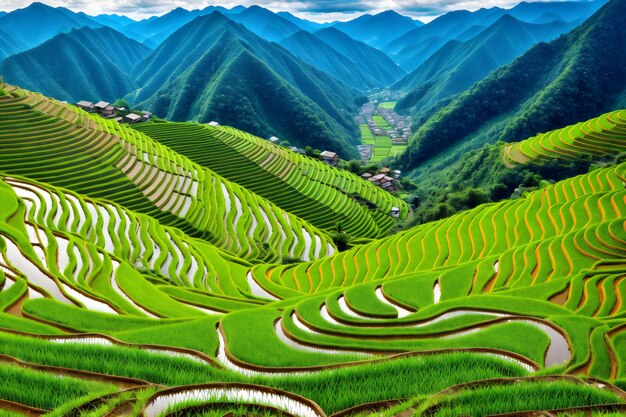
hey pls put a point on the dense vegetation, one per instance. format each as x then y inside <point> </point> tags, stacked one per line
<point>260,311</point>
<point>230,75</point>
<point>577,76</point>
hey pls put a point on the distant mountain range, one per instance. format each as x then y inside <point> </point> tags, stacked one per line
<point>457,65</point>
<point>216,69</point>
<point>380,29</point>
<point>273,74</point>
<point>575,77</point>
<point>38,23</point>
<point>84,63</point>
<point>353,62</point>
<point>414,47</point>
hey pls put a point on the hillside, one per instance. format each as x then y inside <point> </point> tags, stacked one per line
<point>84,64</point>
<point>374,62</point>
<point>518,297</point>
<point>266,24</point>
<point>578,76</point>
<point>322,56</point>
<point>9,45</point>
<point>226,73</point>
<point>117,163</point>
<point>277,174</point>
<point>38,23</point>
<point>379,29</point>
<point>415,47</point>
<point>458,65</point>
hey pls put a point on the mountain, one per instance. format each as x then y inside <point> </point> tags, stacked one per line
<point>38,23</point>
<point>566,10</point>
<point>458,65</point>
<point>577,76</point>
<point>319,54</point>
<point>156,29</point>
<point>90,64</point>
<point>374,62</point>
<point>216,69</point>
<point>265,23</point>
<point>302,23</point>
<point>378,30</point>
<point>415,47</point>
<point>115,21</point>
<point>9,45</point>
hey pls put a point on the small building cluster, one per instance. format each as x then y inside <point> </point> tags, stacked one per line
<point>330,158</point>
<point>385,178</point>
<point>108,111</point>
<point>400,133</point>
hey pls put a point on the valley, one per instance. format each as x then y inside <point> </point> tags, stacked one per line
<point>242,211</point>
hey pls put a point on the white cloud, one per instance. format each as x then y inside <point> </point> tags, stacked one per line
<point>317,10</point>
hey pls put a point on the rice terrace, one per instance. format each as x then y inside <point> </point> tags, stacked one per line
<point>227,211</point>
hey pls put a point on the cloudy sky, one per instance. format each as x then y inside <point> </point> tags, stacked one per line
<point>317,10</point>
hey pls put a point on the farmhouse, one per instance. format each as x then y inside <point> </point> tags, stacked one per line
<point>108,112</point>
<point>331,158</point>
<point>85,105</point>
<point>383,181</point>
<point>132,118</point>
<point>213,123</point>
<point>101,105</point>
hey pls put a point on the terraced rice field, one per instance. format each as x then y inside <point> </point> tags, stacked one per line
<point>138,276</point>
<point>305,187</point>
<point>602,136</point>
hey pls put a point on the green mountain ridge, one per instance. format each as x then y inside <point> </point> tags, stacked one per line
<point>579,75</point>
<point>319,54</point>
<point>50,22</point>
<point>223,58</point>
<point>89,64</point>
<point>371,60</point>
<point>458,65</point>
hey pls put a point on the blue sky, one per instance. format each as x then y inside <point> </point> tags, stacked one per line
<point>317,10</point>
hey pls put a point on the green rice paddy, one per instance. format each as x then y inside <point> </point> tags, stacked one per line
<point>179,256</point>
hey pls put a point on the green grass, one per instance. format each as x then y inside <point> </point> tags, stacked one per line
<point>46,390</point>
<point>387,105</point>
<point>366,135</point>
<point>169,276</point>
<point>497,399</point>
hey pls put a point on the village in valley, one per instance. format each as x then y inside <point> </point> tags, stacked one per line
<point>384,133</point>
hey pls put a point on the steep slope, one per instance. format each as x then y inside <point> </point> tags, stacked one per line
<point>154,30</point>
<point>379,29</point>
<point>578,76</point>
<point>100,158</point>
<point>115,21</point>
<point>275,173</point>
<point>321,55</point>
<point>91,64</point>
<point>458,65</point>
<point>302,23</point>
<point>38,23</point>
<point>374,62</point>
<point>9,45</point>
<point>265,23</point>
<point>415,47</point>
<point>185,77</point>
<point>568,11</point>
